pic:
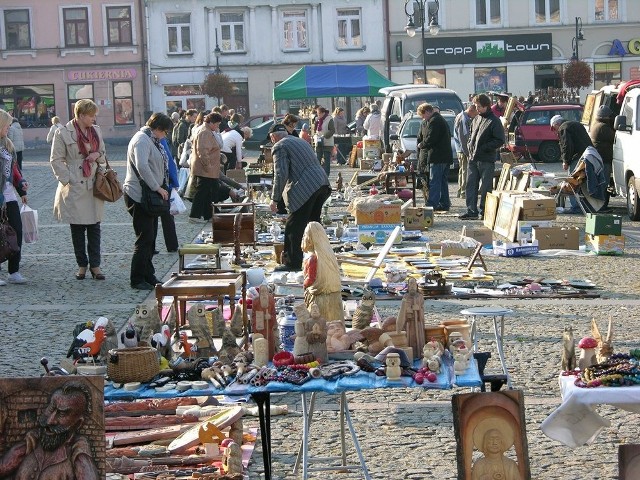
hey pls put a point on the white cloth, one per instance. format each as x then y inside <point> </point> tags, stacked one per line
<point>233,142</point>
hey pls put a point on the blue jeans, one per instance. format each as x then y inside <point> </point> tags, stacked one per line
<point>480,178</point>
<point>324,155</point>
<point>439,186</point>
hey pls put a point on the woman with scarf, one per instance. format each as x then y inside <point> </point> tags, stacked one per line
<point>147,161</point>
<point>77,150</point>
<point>12,189</point>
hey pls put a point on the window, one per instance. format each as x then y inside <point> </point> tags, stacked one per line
<point>78,92</point>
<point>606,74</point>
<point>349,35</point>
<point>232,30</point>
<point>488,12</point>
<point>119,25</point>
<point>606,10</point>
<point>76,27</point>
<point>179,32</point>
<point>295,30</point>
<point>547,11</point>
<point>434,77</point>
<point>17,29</point>
<point>545,76</point>
<point>32,105</point>
<point>123,103</point>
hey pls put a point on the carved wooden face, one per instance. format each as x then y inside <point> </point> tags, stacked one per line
<point>368,298</point>
<point>392,360</point>
<point>198,310</point>
<point>143,311</point>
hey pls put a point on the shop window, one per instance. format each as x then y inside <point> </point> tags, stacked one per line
<point>349,35</point>
<point>32,105</point>
<point>545,76</point>
<point>606,10</point>
<point>294,26</point>
<point>119,26</point>
<point>232,32</point>
<point>76,27</point>
<point>547,11</point>
<point>490,79</point>
<point>434,77</point>
<point>17,29</point>
<point>123,103</point>
<point>179,32</point>
<point>78,91</point>
<point>488,13</point>
<point>606,74</point>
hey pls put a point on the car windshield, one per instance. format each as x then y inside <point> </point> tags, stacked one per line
<point>411,126</point>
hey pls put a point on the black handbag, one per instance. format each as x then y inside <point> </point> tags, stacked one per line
<point>8,237</point>
<point>151,201</point>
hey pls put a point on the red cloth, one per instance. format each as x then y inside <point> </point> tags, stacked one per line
<point>92,141</point>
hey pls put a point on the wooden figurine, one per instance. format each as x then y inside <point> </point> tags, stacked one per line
<point>363,314</point>
<point>300,344</point>
<point>411,317</point>
<point>147,321</point>
<point>236,324</point>
<point>493,437</point>
<point>393,371</point>
<point>263,318</point>
<point>232,459</point>
<point>568,350</point>
<point>236,431</point>
<point>317,334</point>
<point>338,339</point>
<point>605,347</point>
<point>322,284</point>
<point>229,348</point>
<point>111,339</point>
<point>339,182</point>
<point>218,324</point>
<point>200,330</point>
<point>260,351</point>
<point>588,352</point>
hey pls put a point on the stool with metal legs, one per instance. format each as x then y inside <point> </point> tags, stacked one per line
<point>498,314</point>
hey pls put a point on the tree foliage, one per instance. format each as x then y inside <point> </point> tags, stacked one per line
<point>217,85</point>
<point>577,75</point>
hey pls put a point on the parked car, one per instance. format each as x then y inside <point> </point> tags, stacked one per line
<point>530,134</point>
<point>260,135</point>
<point>406,139</point>
<point>255,120</point>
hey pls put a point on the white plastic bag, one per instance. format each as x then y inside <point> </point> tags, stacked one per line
<point>29,219</point>
<point>183,180</point>
<point>186,153</point>
<point>177,206</point>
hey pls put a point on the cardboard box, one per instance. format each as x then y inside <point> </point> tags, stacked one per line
<point>556,237</point>
<point>374,212</point>
<point>371,148</point>
<point>525,229</point>
<point>605,244</point>
<point>602,224</point>
<point>418,218</point>
<point>510,249</point>
<point>483,235</point>
<point>538,208</point>
<point>377,233</point>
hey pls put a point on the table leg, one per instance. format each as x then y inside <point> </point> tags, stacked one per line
<point>263,401</point>
<point>499,336</point>
<point>345,409</point>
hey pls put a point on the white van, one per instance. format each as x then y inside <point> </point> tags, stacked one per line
<point>402,99</point>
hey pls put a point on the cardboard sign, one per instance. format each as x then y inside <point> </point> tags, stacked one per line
<point>555,237</point>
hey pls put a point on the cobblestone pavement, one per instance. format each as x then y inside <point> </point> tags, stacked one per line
<point>404,433</point>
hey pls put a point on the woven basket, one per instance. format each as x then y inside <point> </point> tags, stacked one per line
<point>138,364</point>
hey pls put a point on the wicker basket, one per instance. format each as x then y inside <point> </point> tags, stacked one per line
<point>138,364</point>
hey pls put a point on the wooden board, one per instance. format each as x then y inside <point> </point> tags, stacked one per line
<point>191,438</point>
<point>504,214</point>
<point>505,177</point>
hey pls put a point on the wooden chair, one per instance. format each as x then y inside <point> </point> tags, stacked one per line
<point>234,223</point>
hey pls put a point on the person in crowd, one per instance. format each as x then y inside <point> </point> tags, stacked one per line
<point>77,150</point>
<point>17,138</point>
<point>461,129</point>
<point>373,123</point>
<point>291,122</point>
<point>500,106</point>
<point>167,220</point>
<point>340,121</point>
<point>12,188</point>
<point>147,161</point>
<point>229,188</point>
<point>361,116</point>
<point>487,135</point>
<point>180,132</point>
<point>175,118</point>
<point>304,186</point>
<point>603,135</point>
<point>55,125</point>
<point>197,125</point>
<point>573,140</point>
<point>434,157</point>
<point>224,124</point>
<point>235,119</point>
<point>232,146</point>
<point>305,135</point>
<point>205,168</point>
<point>324,132</point>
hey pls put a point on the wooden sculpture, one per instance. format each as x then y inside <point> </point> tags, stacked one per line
<point>568,350</point>
<point>363,314</point>
<point>316,334</point>
<point>605,347</point>
<point>411,317</point>
<point>263,318</point>
<point>493,437</point>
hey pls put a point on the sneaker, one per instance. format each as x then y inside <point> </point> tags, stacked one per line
<point>16,278</point>
<point>468,216</point>
<point>142,286</point>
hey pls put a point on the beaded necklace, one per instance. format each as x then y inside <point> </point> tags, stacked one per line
<point>619,370</point>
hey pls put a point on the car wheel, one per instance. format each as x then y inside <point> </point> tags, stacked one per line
<point>549,152</point>
<point>633,202</point>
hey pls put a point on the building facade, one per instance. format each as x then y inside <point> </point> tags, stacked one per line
<point>517,46</point>
<point>56,52</point>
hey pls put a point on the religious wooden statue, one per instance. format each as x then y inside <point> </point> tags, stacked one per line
<point>322,284</point>
<point>411,317</point>
<point>493,437</point>
<point>263,318</point>
<point>316,334</point>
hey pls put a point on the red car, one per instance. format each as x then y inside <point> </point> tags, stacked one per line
<point>530,134</point>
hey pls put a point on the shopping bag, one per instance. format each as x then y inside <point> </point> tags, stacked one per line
<point>183,179</point>
<point>177,205</point>
<point>29,219</point>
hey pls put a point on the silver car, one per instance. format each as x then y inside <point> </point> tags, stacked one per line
<point>406,139</point>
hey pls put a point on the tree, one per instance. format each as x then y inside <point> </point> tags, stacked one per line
<point>577,75</point>
<point>217,85</point>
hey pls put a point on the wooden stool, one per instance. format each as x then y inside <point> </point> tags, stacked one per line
<point>198,249</point>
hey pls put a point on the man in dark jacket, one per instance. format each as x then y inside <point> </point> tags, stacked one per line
<point>603,135</point>
<point>302,183</point>
<point>434,145</point>
<point>487,135</point>
<point>181,132</point>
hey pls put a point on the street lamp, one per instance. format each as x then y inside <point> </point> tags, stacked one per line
<point>426,10</point>
<point>217,53</point>
<point>577,40</point>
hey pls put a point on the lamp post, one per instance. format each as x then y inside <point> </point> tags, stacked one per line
<point>577,40</point>
<point>217,53</point>
<point>426,10</point>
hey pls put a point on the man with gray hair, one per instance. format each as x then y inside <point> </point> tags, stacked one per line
<point>302,183</point>
<point>461,130</point>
